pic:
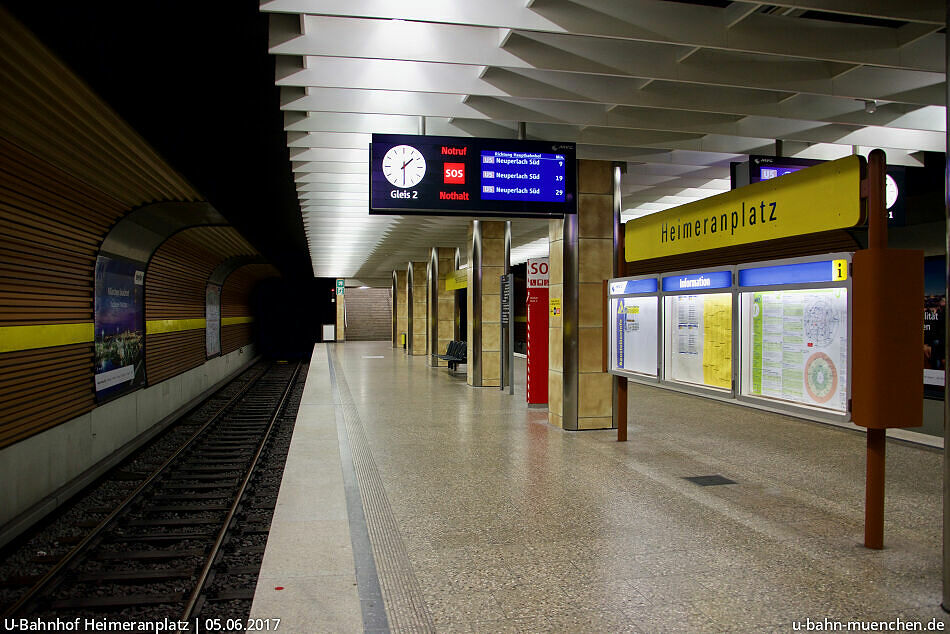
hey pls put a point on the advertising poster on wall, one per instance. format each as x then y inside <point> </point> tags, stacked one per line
<point>799,346</point>
<point>213,320</point>
<point>935,312</point>
<point>635,339</point>
<point>120,326</point>
<point>699,339</point>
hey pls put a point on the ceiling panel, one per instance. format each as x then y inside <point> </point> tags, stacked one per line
<point>674,91</point>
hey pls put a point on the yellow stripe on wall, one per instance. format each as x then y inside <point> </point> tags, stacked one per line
<point>230,321</point>
<point>14,338</point>
<point>159,326</point>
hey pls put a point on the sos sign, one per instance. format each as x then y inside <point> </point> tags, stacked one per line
<point>538,273</point>
<point>454,173</point>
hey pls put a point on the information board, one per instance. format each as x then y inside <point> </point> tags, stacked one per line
<point>796,346</point>
<point>698,339</point>
<point>635,334</point>
<point>468,176</point>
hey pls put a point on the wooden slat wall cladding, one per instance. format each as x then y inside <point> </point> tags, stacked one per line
<point>171,353</point>
<point>235,302</point>
<point>50,229</point>
<point>175,289</point>
<point>50,112</point>
<point>51,225</point>
<point>42,388</point>
<point>234,336</point>
<point>798,246</point>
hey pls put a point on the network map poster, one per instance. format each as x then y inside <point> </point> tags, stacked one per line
<point>119,326</point>
<point>799,346</point>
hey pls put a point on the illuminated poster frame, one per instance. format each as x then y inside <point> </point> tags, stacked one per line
<point>739,283</point>
<point>119,318</point>
<point>676,288</point>
<point>471,176</point>
<point>625,294</point>
<point>822,275</point>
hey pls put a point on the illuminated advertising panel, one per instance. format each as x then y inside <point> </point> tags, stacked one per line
<point>471,176</point>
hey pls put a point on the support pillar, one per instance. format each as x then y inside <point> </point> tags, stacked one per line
<point>441,303</point>
<point>580,393</point>
<point>416,285</point>
<point>401,309</point>
<point>488,261</point>
<point>340,310</point>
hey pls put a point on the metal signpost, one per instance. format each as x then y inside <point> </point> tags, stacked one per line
<point>507,356</point>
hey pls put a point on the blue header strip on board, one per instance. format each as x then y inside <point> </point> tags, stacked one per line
<point>697,282</point>
<point>631,287</point>
<point>801,273</point>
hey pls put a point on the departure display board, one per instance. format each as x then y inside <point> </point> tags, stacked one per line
<point>460,176</point>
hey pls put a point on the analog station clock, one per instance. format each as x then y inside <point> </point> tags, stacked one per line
<point>404,166</point>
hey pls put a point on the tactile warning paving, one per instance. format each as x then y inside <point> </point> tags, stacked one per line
<point>405,607</point>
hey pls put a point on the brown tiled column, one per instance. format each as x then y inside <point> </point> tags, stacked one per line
<point>441,303</point>
<point>400,308</point>
<point>581,256</point>
<point>417,303</point>
<point>340,312</point>
<point>488,259</point>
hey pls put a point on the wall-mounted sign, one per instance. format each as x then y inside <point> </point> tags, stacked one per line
<point>819,198</point>
<point>538,275</point>
<point>799,273</point>
<point>457,280</point>
<point>631,287</point>
<point>212,320</point>
<point>340,286</point>
<point>697,282</point>
<point>462,176</point>
<point>555,306</point>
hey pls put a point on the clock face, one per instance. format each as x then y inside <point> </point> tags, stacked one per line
<point>890,191</point>
<point>404,166</point>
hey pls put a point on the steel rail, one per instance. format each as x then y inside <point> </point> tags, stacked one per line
<point>239,496</point>
<point>68,558</point>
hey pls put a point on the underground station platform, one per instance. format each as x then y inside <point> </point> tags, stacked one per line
<point>412,502</point>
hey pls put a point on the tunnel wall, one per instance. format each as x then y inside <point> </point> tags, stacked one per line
<point>73,175</point>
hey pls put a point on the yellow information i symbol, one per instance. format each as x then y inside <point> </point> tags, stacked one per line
<point>839,270</point>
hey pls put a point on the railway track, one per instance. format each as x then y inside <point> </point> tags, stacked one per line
<point>187,540</point>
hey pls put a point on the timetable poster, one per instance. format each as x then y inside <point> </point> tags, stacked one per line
<point>635,336</point>
<point>799,346</point>
<point>700,339</point>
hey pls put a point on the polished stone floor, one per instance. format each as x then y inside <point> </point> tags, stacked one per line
<point>484,518</point>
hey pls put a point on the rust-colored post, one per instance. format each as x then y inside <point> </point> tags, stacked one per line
<point>876,438</point>
<point>874,491</point>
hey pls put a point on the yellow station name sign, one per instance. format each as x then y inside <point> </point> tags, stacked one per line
<point>457,280</point>
<point>819,198</point>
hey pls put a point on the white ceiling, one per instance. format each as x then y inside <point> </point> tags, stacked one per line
<point>676,89</point>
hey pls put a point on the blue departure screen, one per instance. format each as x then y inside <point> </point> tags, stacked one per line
<point>522,176</point>
<point>766,173</point>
